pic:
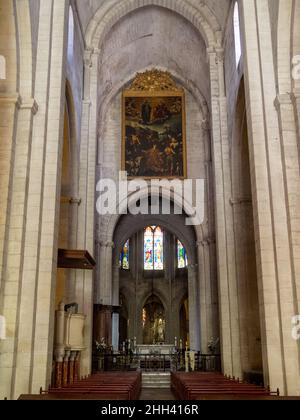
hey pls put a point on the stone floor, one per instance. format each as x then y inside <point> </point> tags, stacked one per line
<point>149,394</point>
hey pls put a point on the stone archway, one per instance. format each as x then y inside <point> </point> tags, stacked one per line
<point>220,164</point>
<point>131,225</point>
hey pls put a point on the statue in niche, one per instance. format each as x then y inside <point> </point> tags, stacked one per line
<point>160,331</point>
<point>154,324</point>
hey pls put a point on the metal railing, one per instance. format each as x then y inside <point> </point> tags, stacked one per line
<point>156,362</point>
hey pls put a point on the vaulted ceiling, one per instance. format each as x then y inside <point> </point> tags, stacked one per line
<point>87,9</point>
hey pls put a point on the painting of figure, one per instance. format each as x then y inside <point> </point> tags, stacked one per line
<point>154,136</point>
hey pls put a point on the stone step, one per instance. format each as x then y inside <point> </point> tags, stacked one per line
<point>156,383</point>
<point>156,380</point>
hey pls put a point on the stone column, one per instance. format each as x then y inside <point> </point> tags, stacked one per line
<point>228,302</point>
<point>86,211</point>
<point>105,286</point>
<point>74,203</point>
<point>9,105</point>
<point>296,102</point>
<point>194,325</point>
<point>36,189</point>
<point>205,294</point>
<point>115,331</point>
<point>271,221</point>
<point>115,302</point>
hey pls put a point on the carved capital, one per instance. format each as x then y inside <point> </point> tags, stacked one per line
<point>105,244</point>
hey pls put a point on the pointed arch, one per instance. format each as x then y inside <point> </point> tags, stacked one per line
<point>110,12</point>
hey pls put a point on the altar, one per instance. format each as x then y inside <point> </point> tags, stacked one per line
<point>155,349</point>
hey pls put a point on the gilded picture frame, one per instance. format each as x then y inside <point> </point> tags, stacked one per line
<point>154,128</point>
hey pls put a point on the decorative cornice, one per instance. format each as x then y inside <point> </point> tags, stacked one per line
<point>21,103</point>
<point>154,81</point>
<point>12,99</point>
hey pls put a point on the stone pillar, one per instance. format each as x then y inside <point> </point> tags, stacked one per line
<point>86,211</point>
<point>228,302</point>
<point>288,106</point>
<point>296,102</point>
<point>38,143</point>
<point>115,331</point>
<point>9,105</point>
<point>194,325</point>
<point>115,302</point>
<point>105,286</point>
<point>271,221</point>
<point>205,294</point>
<point>74,203</point>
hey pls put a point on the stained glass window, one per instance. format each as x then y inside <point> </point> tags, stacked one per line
<point>181,255</point>
<point>158,249</point>
<point>153,248</point>
<point>124,257</point>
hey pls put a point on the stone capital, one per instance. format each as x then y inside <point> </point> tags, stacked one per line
<point>10,99</point>
<point>105,244</point>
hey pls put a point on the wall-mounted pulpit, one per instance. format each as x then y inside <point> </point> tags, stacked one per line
<point>75,259</point>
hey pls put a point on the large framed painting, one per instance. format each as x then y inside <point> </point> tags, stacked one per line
<point>154,142</point>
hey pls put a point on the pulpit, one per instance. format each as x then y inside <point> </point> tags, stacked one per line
<point>69,343</point>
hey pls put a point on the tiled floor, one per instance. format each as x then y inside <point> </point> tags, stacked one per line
<point>157,394</point>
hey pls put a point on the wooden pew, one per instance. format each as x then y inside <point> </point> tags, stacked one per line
<point>194,386</point>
